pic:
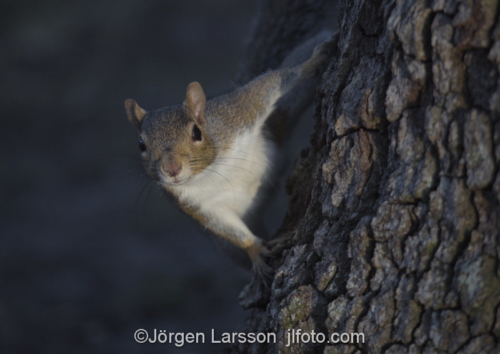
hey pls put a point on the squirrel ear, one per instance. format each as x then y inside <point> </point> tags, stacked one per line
<point>135,113</point>
<point>195,102</point>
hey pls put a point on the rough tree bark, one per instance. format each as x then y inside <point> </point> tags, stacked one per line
<point>395,208</point>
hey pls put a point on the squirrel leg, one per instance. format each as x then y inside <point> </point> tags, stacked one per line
<point>264,92</point>
<point>257,253</point>
<point>230,227</point>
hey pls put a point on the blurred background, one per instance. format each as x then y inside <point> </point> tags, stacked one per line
<point>89,251</point>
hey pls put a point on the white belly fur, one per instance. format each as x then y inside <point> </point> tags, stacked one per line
<point>231,182</point>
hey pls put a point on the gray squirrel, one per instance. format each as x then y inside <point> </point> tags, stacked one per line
<point>213,156</point>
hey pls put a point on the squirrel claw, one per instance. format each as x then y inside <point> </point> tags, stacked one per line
<point>278,242</point>
<point>258,254</point>
<point>267,253</point>
<point>264,272</point>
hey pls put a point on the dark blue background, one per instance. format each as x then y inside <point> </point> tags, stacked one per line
<point>88,252</point>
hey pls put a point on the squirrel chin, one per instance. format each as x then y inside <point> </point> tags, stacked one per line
<point>172,182</point>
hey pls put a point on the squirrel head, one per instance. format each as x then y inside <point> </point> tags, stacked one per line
<point>174,142</point>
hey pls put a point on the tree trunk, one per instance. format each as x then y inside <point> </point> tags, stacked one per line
<point>395,208</point>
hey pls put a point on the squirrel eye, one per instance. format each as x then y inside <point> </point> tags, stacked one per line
<point>142,145</point>
<point>196,135</point>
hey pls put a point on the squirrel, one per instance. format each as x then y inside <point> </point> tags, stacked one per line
<point>212,156</point>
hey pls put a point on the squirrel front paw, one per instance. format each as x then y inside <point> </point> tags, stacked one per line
<point>258,254</point>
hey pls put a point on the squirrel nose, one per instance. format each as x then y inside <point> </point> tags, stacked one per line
<point>172,168</point>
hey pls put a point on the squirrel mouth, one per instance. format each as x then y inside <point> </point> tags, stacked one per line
<point>175,181</point>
